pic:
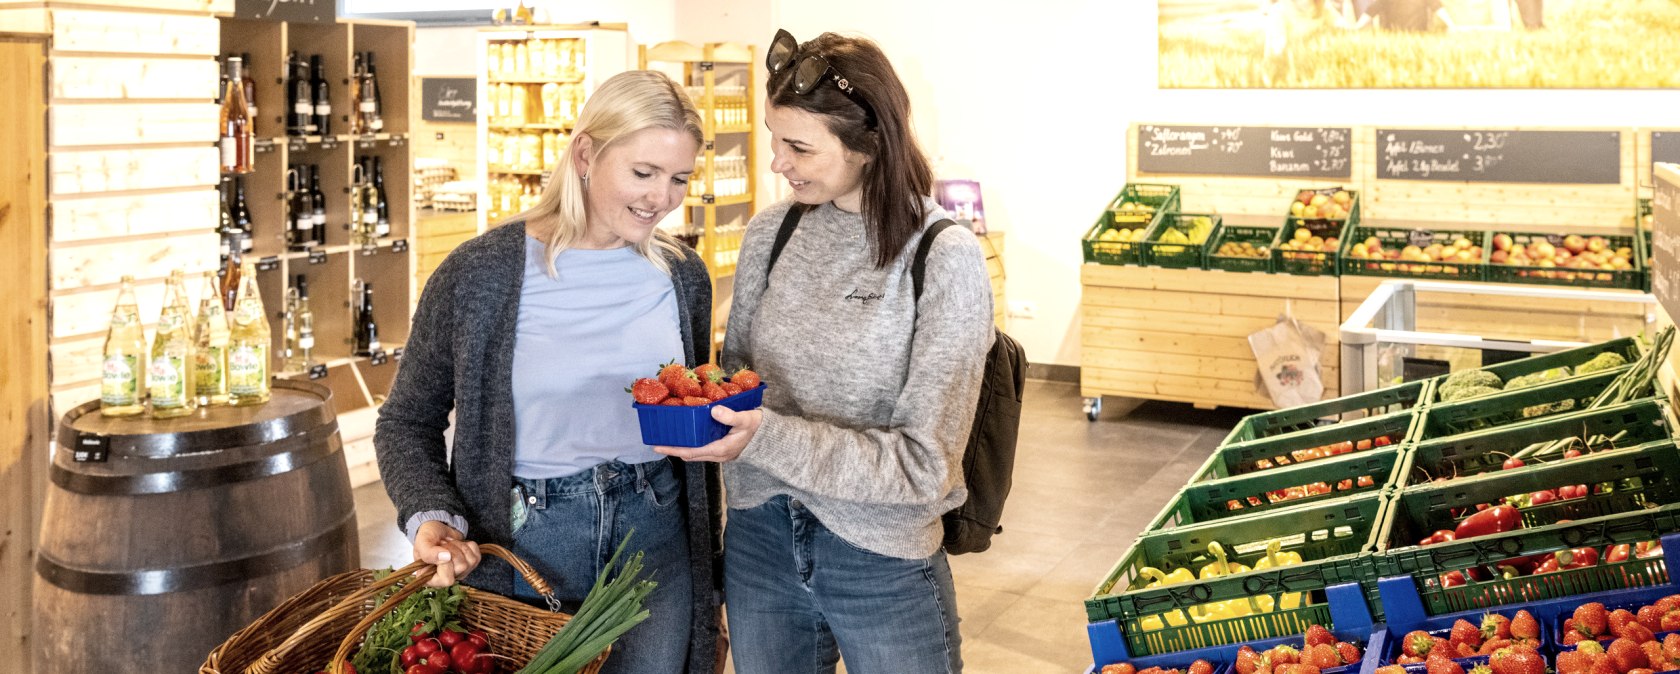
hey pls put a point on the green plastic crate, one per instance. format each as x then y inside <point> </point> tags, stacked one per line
<point>1377,402</point>
<point>1628,347</point>
<point>1259,237</point>
<point>1641,481</point>
<point>1632,278</point>
<point>1642,250</point>
<point>1176,255</point>
<point>1519,405</point>
<point>1164,198</point>
<point>1397,239</point>
<point>1256,493</point>
<point>1333,537</point>
<point>1484,452</point>
<point>1301,447</point>
<point>1313,263</point>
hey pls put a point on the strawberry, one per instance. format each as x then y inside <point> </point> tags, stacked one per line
<point>1524,626</point>
<point>1591,647</point>
<point>729,388</point>
<point>672,402</point>
<point>1671,647</point>
<point>1650,617</point>
<point>1283,654</point>
<point>648,391</point>
<point>1442,645</point>
<point>1417,643</point>
<point>746,379</point>
<point>1592,620</point>
<point>1668,604</point>
<point>1464,650</point>
<point>713,392</point>
<point>1492,645</point>
<point>1247,660</point>
<point>1619,620</point>
<point>1654,654</point>
<point>687,386</point>
<point>1201,667</point>
<point>670,370</point>
<point>1322,656</point>
<point>1349,652</point>
<point>1573,662</point>
<point>1156,670</point>
<point>1440,665</point>
<point>1517,660</point>
<point>1408,659</point>
<point>1463,632</point>
<point>1643,670</point>
<point>1119,668</point>
<point>1601,665</point>
<point>1670,621</point>
<point>1572,637</point>
<point>1637,633</point>
<point>1495,626</point>
<point>1627,655</point>
<point>1295,668</point>
<point>1391,669</point>
<point>1317,634</point>
<point>709,373</point>
<point>695,401</point>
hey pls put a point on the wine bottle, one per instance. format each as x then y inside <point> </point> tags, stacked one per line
<point>210,347</point>
<point>248,343</point>
<point>230,281</point>
<point>370,106</point>
<point>301,118</point>
<point>237,145</point>
<point>242,217</point>
<point>300,327</point>
<point>122,382</point>
<point>370,204</point>
<point>381,205</point>
<point>318,217</point>
<point>318,96</point>
<point>229,234</point>
<point>355,116</point>
<point>303,211</point>
<point>367,331</point>
<point>172,375</point>
<point>249,86</point>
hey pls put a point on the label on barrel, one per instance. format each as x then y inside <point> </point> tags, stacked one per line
<point>318,371</point>
<point>378,358</point>
<point>92,448</point>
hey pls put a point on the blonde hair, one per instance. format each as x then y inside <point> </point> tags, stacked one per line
<point>624,104</point>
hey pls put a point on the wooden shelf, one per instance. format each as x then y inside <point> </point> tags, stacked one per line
<point>536,80</point>
<point>516,172</point>
<point>531,127</point>
<point>734,200</point>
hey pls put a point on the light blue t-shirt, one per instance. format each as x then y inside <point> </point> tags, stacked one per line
<point>609,318</point>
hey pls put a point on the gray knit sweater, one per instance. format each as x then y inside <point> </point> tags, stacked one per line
<point>870,397</point>
<point>460,356</point>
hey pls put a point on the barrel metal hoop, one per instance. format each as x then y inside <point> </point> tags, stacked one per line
<point>293,453</point>
<point>189,578</point>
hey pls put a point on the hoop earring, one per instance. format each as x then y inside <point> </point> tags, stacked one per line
<point>586,181</point>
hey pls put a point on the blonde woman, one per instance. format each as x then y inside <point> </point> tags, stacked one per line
<point>529,334</point>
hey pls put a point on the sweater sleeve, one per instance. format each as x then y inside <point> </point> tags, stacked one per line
<point>917,460</point>
<point>408,438</point>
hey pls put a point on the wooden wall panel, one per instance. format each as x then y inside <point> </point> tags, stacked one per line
<point>76,361</point>
<point>131,124</point>
<point>144,169</point>
<point>132,78</point>
<point>88,312</point>
<point>117,32</point>
<point>100,264</point>
<point>106,217</point>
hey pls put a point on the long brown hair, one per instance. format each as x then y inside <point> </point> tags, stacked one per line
<point>898,177</point>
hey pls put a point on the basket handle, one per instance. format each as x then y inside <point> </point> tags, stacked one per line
<point>418,577</point>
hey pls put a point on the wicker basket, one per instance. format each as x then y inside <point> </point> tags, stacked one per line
<point>325,623</point>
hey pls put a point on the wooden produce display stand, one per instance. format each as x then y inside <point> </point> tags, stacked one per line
<point>1180,334</point>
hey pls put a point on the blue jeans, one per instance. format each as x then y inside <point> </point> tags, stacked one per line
<point>569,527</point>
<point>800,598</point>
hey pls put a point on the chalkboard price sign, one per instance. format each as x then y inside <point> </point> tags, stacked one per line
<point>295,11</point>
<point>449,99</point>
<point>1305,152</point>
<point>1501,156</point>
<point>1665,147</point>
<point>1665,238</point>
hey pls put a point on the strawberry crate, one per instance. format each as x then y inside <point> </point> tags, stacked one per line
<point>1257,239</point>
<point>1627,348</point>
<point>1461,256</point>
<point>684,426</point>
<point>1631,497</point>
<point>1377,402</point>
<point>1321,237</point>
<point>1332,538</point>
<point>1441,626</point>
<point>1312,444</point>
<point>1167,661</point>
<point>1108,647</point>
<point>1605,430</point>
<point>1137,207</point>
<point>1271,490</point>
<point>1541,265</point>
<point>1190,254</point>
<point>1517,405</point>
<point>1630,601</point>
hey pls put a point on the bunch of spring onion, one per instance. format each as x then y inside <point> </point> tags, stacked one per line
<point>611,609</point>
<point>1638,382</point>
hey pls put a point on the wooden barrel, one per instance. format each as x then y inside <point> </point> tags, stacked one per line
<point>160,538</point>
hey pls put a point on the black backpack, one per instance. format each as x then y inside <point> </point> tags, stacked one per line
<point>989,458</point>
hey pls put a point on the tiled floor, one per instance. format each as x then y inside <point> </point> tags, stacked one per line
<point>1082,491</point>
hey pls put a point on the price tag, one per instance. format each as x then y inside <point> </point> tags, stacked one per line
<point>263,145</point>
<point>398,141</point>
<point>329,143</point>
<point>1554,239</point>
<point>710,145</point>
<point>379,358</point>
<point>708,198</point>
<point>367,143</point>
<point>397,353</point>
<point>399,246</point>
<point>269,263</point>
<point>296,144</point>
<point>318,371</point>
<point>369,250</point>
<point>317,257</point>
<point>92,447</point>
<point>1421,238</point>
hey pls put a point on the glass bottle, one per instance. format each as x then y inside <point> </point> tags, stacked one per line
<point>300,334</point>
<point>172,374</point>
<point>320,101</point>
<point>370,107</point>
<point>228,233</point>
<point>367,331</point>
<point>242,218</point>
<point>381,201</point>
<point>318,217</point>
<point>237,145</point>
<point>249,87</point>
<point>122,383</point>
<point>210,347</point>
<point>248,343</point>
<point>302,209</point>
<point>300,118</point>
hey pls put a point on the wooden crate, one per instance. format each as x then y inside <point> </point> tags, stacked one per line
<point>1182,334</point>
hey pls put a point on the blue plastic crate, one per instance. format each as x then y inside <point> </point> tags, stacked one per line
<point>1442,625</point>
<point>674,426</point>
<point>1349,619</point>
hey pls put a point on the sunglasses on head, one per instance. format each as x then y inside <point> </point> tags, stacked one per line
<point>810,70</point>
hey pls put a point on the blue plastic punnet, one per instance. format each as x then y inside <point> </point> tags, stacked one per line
<point>673,426</point>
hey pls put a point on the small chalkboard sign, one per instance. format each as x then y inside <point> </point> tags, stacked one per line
<point>317,257</point>
<point>318,371</point>
<point>1302,152</point>
<point>1500,156</point>
<point>294,11</point>
<point>1665,237</point>
<point>399,246</point>
<point>449,99</point>
<point>269,263</point>
<point>1665,147</point>
<point>92,447</point>
<point>378,358</point>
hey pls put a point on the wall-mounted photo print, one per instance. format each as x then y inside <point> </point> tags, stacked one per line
<point>1342,44</point>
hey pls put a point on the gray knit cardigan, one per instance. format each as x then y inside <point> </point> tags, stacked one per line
<point>460,356</point>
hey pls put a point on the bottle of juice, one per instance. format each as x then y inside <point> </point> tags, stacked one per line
<point>172,374</point>
<point>248,344</point>
<point>122,384</point>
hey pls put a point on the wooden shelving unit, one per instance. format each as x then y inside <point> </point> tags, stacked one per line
<point>719,76</point>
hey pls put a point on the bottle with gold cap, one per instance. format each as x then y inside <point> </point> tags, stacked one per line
<point>172,374</point>
<point>210,346</point>
<point>122,386</point>
<point>248,343</point>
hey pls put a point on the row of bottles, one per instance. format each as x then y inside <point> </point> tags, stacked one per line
<point>512,194</point>
<point>235,225</point>
<point>527,150</point>
<point>729,176</point>
<point>530,59</point>
<point>307,206</point>
<point>370,212</point>
<point>308,100</point>
<point>729,103</point>
<point>208,361</point>
<point>520,104</point>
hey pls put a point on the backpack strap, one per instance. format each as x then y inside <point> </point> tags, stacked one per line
<point>918,267</point>
<point>789,222</point>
